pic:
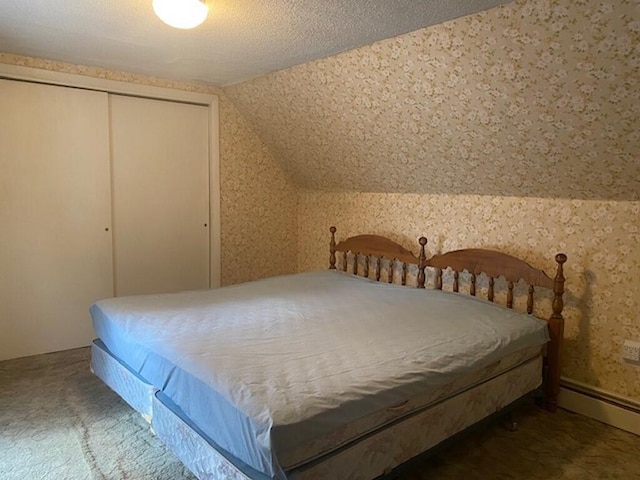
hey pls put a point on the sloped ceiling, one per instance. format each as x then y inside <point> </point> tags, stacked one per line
<point>241,39</point>
<point>538,98</point>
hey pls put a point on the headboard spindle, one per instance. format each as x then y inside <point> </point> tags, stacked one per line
<point>510,294</point>
<point>422,262</point>
<point>332,249</point>
<point>530,300</point>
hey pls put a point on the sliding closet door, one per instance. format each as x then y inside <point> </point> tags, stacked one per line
<point>55,243</point>
<point>160,172</point>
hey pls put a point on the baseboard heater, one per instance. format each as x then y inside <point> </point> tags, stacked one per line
<point>607,407</point>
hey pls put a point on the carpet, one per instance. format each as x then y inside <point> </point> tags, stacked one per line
<point>59,421</point>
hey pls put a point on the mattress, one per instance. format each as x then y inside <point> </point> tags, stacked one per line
<point>365,458</point>
<point>270,370</point>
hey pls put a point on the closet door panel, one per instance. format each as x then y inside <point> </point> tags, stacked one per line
<point>55,254</point>
<point>160,169</point>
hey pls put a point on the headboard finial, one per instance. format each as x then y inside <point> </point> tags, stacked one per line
<point>561,258</point>
<point>422,262</point>
<point>332,249</point>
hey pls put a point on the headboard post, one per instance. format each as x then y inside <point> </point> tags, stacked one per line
<point>422,262</point>
<point>556,332</point>
<point>332,249</point>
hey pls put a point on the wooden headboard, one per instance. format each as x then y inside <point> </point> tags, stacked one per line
<point>494,264</point>
<point>380,248</point>
<point>475,261</point>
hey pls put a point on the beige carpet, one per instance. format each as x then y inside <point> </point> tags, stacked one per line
<point>58,421</point>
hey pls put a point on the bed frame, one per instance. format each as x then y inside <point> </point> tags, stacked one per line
<point>375,250</point>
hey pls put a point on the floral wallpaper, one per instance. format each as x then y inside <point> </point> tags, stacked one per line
<point>536,98</point>
<point>258,202</point>
<point>601,239</point>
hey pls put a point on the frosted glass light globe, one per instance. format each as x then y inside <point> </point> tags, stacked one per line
<point>181,13</point>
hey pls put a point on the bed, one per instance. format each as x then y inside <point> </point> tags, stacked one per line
<point>340,374</point>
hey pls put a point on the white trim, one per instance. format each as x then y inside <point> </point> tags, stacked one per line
<point>214,192</point>
<point>607,407</point>
<point>590,390</point>
<point>19,72</point>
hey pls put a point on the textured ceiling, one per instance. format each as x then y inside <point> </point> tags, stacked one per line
<point>538,98</point>
<point>240,40</point>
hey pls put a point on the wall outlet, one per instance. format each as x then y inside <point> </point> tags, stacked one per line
<point>631,351</point>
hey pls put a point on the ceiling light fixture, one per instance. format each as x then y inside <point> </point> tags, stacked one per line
<point>181,13</point>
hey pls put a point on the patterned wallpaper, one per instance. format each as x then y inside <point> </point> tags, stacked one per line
<point>258,202</point>
<point>259,222</point>
<point>601,239</point>
<point>537,98</point>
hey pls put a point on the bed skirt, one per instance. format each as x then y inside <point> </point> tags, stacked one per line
<point>126,383</point>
